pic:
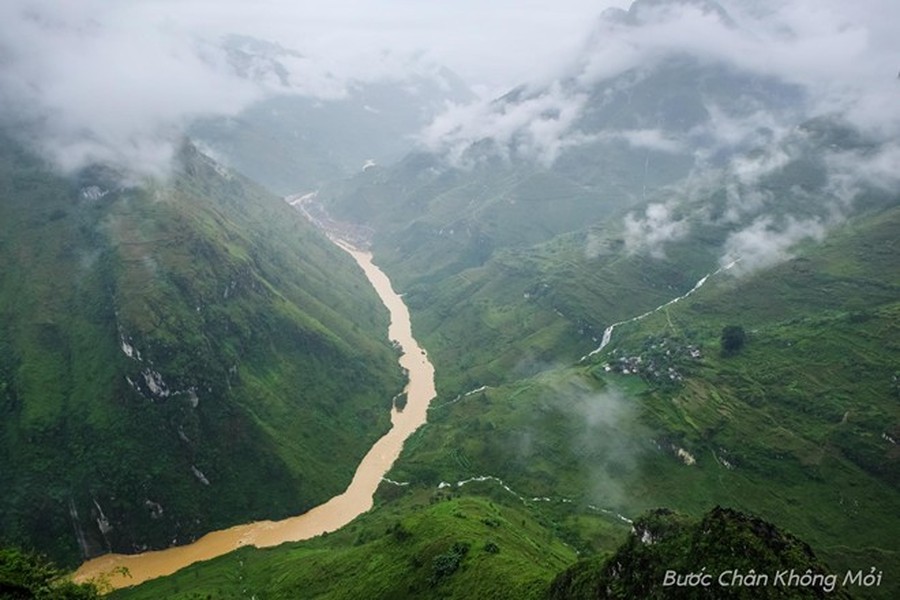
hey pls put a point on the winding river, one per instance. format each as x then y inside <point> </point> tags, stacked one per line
<point>331,515</point>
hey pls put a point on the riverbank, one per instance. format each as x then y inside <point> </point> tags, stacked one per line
<point>119,570</point>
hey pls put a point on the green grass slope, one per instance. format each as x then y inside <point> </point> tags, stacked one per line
<point>429,544</point>
<point>175,357</point>
<point>495,309</point>
<point>799,426</point>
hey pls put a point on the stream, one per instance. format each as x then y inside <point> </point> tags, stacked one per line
<point>607,333</point>
<point>327,517</point>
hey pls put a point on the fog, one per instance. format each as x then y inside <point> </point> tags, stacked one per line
<point>842,58</point>
<point>93,80</point>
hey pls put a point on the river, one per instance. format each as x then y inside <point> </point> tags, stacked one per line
<point>333,514</point>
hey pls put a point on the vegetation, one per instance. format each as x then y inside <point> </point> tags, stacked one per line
<point>425,544</point>
<point>440,554</point>
<point>768,431</point>
<point>798,426</point>
<point>28,576</point>
<point>175,358</point>
<point>726,554</point>
<point>733,339</point>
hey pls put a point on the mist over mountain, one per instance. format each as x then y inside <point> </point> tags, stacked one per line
<point>106,83</point>
<point>665,103</point>
<point>295,142</point>
<point>783,64</point>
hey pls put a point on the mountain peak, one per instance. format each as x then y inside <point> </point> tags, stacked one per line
<point>642,12</point>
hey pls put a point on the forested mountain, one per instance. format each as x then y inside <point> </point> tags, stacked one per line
<point>168,346</point>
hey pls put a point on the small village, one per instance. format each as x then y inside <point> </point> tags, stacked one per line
<point>663,360</point>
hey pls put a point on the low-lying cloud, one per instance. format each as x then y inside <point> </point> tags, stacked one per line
<point>90,86</point>
<point>99,81</point>
<point>651,231</point>
<point>117,82</point>
<point>799,59</point>
<point>854,171</point>
<point>535,128</point>
<point>602,433</point>
<point>765,243</point>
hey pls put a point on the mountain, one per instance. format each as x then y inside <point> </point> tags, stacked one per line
<point>795,427</point>
<point>177,356</point>
<point>742,556</point>
<point>299,138</point>
<point>548,159</point>
<point>525,307</point>
<point>663,281</point>
<point>798,427</point>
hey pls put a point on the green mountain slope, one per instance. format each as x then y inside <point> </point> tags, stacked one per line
<point>175,358</point>
<point>431,544</point>
<point>799,427</point>
<point>494,313</point>
<point>726,554</point>
<point>471,546</point>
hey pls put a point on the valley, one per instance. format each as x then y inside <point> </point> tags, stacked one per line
<point>118,570</point>
<point>536,302</point>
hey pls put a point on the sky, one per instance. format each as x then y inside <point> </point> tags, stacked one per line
<point>119,80</point>
<point>492,45</point>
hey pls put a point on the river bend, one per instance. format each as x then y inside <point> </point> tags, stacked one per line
<point>327,517</point>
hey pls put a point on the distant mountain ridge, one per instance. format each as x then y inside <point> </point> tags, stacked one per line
<point>299,138</point>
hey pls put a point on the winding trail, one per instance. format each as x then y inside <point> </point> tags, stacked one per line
<point>331,515</point>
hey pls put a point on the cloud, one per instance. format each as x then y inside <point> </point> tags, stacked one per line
<point>843,53</point>
<point>852,172</point>
<point>749,169</point>
<point>92,80</point>
<point>649,33</point>
<point>91,86</point>
<point>765,243</point>
<point>535,127</point>
<point>98,80</point>
<point>649,233</point>
<point>649,139</point>
<point>603,433</point>
<point>796,60</point>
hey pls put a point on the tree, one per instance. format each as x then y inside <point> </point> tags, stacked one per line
<point>30,576</point>
<point>732,340</point>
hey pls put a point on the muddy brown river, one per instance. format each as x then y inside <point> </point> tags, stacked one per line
<point>331,515</point>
